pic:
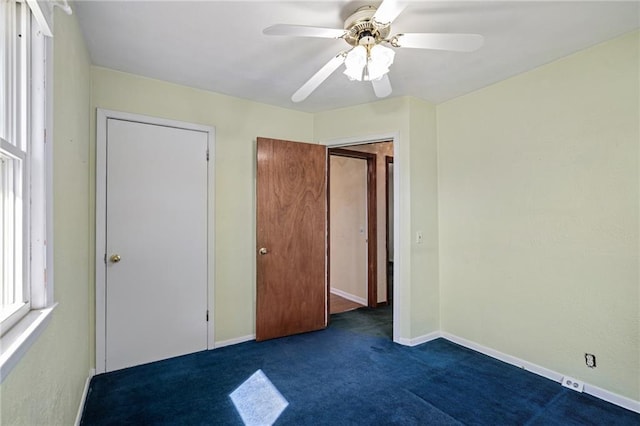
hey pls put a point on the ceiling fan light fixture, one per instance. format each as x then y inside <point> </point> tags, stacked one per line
<point>355,62</point>
<point>368,63</point>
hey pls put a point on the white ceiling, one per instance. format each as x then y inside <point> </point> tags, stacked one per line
<point>219,45</point>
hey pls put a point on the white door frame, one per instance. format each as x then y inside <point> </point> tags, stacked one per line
<point>400,322</point>
<point>102,115</point>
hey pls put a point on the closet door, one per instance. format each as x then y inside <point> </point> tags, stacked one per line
<point>156,242</point>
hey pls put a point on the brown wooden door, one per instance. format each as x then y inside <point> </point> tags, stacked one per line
<point>291,227</point>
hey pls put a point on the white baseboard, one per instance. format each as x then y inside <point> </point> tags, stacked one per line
<point>525,365</point>
<point>613,398</point>
<point>349,296</point>
<point>603,394</point>
<point>234,341</point>
<point>419,340</point>
<point>92,373</point>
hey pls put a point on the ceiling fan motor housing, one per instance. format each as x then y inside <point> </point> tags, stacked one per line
<point>363,30</point>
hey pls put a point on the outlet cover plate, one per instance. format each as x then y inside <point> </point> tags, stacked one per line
<point>573,384</point>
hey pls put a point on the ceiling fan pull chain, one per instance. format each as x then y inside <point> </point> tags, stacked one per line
<point>365,69</point>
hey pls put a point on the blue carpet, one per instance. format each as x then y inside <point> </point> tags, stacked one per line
<point>348,374</point>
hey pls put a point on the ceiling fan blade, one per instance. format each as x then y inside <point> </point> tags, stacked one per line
<point>382,86</point>
<point>317,79</point>
<point>303,31</point>
<point>388,11</point>
<point>454,42</point>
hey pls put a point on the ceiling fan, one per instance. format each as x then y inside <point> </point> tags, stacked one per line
<point>366,31</point>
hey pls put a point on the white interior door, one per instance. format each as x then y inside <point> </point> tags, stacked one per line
<point>156,243</point>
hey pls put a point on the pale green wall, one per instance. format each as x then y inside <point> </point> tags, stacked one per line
<point>415,168</point>
<point>539,216</point>
<point>425,277</point>
<point>46,386</point>
<point>237,123</point>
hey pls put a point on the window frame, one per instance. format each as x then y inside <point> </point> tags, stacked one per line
<point>28,115</point>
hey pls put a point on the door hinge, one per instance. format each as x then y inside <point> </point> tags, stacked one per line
<point>207,155</point>
<point>207,315</point>
<point>105,258</point>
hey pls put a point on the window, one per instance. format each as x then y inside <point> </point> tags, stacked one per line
<point>15,301</point>
<point>23,167</point>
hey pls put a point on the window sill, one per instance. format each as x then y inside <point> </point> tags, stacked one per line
<point>15,343</point>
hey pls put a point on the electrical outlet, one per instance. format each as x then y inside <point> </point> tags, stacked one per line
<point>419,237</point>
<point>573,384</point>
<point>590,360</point>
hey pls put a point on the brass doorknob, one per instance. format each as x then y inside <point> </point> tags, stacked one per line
<point>263,251</point>
<point>115,258</point>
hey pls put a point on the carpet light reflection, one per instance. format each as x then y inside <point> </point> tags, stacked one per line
<point>258,401</point>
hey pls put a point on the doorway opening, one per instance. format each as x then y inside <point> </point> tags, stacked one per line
<point>359,226</point>
<point>278,165</point>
